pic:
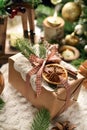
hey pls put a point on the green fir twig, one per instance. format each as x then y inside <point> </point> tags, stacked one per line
<point>41,120</point>
<point>24,46</point>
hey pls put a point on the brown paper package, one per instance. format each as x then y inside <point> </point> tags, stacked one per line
<point>53,101</point>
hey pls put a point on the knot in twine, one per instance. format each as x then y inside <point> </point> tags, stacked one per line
<point>38,66</point>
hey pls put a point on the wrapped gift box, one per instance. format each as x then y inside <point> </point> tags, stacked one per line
<point>54,101</point>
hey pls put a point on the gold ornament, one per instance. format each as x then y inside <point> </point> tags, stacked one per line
<point>71,11</point>
<point>79,30</point>
<point>71,39</point>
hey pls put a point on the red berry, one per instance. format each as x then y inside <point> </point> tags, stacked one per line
<point>14,12</point>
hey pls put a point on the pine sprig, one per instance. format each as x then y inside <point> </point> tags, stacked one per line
<point>1,103</point>
<point>3,4</point>
<point>42,51</point>
<point>41,120</point>
<point>24,46</point>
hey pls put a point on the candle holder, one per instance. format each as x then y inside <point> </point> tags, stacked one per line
<point>53,29</point>
<point>54,26</point>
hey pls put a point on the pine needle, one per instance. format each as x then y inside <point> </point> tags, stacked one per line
<point>76,63</point>
<point>41,120</point>
<point>42,50</point>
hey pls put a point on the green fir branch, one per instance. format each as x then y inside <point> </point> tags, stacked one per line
<point>1,103</point>
<point>6,3</point>
<point>41,120</point>
<point>77,62</point>
<point>42,50</point>
<point>2,4</point>
<point>24,47</point>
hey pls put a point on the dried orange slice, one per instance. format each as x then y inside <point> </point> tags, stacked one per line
<point>52,73</point>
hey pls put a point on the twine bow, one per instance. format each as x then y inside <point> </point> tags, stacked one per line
<point>38,66</point>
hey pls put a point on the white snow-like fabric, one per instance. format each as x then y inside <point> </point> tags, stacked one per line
<point>18,113</point>
<point>23,66</point>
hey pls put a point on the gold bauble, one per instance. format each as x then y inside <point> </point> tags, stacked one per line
<point>71,39</point>
<point>71,11</point>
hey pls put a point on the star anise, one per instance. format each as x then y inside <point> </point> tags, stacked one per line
<point>53,73</point>
<point>66,125</point>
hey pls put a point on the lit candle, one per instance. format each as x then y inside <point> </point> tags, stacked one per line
<point>54,26</point>
<point>54,20</point>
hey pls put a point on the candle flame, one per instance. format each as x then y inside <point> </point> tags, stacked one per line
<point>55,14</point>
